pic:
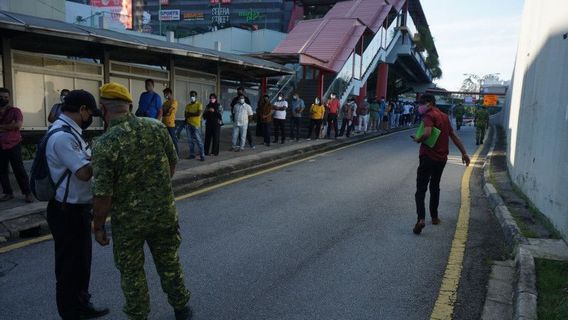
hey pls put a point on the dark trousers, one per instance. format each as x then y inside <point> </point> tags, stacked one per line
<point>317,125</point>
<point>429,172</point>
<point>346,124</point>
<point>70,226</point>
<point>13,157</point>
<point>212,133</point>
<point>266,131</point>
<point>332,123</point>
<point>295,127</point>
<point>172,132</point>
<point>279,129</point>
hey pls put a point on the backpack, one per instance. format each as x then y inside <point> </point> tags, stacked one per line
<point>41,183</point>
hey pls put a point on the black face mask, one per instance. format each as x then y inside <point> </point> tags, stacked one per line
<point>4,102</point>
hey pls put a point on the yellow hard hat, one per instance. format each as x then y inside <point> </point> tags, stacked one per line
<point>115,91</point>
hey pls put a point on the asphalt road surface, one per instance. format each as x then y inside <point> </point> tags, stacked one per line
<point>328,238</point>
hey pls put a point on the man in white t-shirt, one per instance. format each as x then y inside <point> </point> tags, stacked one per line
<point>279,119</point>
<point>406,113</point>
<point>242,113</point>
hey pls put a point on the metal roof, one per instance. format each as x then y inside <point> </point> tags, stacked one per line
<point>54,28</point>
<point>328,42</point>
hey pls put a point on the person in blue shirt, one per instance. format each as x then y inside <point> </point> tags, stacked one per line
<point>150,103</point>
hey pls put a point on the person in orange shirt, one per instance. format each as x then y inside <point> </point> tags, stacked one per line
<point>169,115</point>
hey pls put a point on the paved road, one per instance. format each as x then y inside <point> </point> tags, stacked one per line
<point>329,238</point>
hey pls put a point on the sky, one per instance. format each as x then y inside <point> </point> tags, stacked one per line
<point>474,36</point>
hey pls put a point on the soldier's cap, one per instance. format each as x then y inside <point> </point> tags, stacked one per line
<point>80,98</point>
<point>115,91</point>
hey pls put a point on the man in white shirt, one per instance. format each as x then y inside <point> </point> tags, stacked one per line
<point>279,118</point>
<point>406,113</point>
<point>69,212</point>
<point>243,112</point>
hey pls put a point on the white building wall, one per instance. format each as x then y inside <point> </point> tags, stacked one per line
<point>238,41</point>
<point>50,9</point>
<point>536,111</point>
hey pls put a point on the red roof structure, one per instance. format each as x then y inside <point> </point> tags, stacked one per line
<point>328,42</point>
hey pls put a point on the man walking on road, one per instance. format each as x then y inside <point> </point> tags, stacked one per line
<point>140,200</point>
<point>481,122</point>
<point>69,212</point>
<point>433,160</point>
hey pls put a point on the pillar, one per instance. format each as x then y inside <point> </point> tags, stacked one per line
<point>263,86</point>
<point>106,65</point>
<point>172,69</point>
<point>382,80</point>
<point>7,66</point>
<point>362,93</point>
<point>321,79</point>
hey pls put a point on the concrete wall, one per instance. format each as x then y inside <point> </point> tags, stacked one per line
<point>536,110</point>
<point>50,9</point>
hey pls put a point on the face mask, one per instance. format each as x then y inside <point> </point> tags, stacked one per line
<point>192,99</point>
<point>422,109</point>
<point>295,98</point>
<point>365,99</point>
<point>212,100</point>
<point>332,96</point>
<point>279,98</point>
<point>317,101</point>
<point>86,124</point>
<point>4,102</point>
<point>242,101</point>
<point>62,99</point>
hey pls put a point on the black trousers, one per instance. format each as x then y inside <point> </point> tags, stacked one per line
<point>70,226</point>
<point>279,129</point>
<point>429,172</point>
<point>317,125</point>
<point>13,157</point>
<point>266,131</point>
<point>212,134</point>
<point>346,125</point>
<point>295,127</point>
<point>332,123</point>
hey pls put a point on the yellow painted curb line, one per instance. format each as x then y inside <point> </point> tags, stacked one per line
<point>444,306</point>
<point>211,188</point>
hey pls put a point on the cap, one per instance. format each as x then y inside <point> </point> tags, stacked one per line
<point>83,98</point>
<point>115,91</point>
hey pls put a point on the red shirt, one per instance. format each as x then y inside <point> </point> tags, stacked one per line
<point>10,139</point>
<point>333,106</point>
<point>434,117</point>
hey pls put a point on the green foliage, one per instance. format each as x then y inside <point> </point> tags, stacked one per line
<point>552,285</point>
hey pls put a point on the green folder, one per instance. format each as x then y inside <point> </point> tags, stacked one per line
<point>431,141</point>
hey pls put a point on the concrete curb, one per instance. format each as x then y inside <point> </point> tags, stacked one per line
<point>525,293</point>
<point>33,216</point>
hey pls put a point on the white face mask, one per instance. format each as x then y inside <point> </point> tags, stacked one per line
<point>242,101</point>
<point>193,99</point>
<point>62,99</point>
<point>279,98</point>
<point>333,96</point>
<point>317,101</point>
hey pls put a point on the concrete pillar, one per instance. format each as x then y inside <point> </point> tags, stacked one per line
<point>382,80</point>
<point>7,66</point>
<point>106,65</point>
<point>172,70</point>
<point>362,93</point>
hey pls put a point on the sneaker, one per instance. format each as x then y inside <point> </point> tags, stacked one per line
<point>419,226</point>
<point>253,147</point>
<point>436,221</point>
<point>183,314</point>
<point>89,311</point>
<point>308,139</point>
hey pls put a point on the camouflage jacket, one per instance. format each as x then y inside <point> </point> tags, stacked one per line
<point>481,118</point>
<point>131,163</point>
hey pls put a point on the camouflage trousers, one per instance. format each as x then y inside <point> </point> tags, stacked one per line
<point>480,134</point>
<point>128,249</point>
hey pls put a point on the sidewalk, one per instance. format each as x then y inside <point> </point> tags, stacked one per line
<point>191,174</point>
<point>512,291</point>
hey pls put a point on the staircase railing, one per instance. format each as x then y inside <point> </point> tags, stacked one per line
<point>287,83</point>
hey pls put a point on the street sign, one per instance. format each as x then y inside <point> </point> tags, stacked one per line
<point>468,99</point>
<point>490,100</point>
<point>169,15</point>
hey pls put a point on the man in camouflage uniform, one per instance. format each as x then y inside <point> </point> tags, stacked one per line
<point>459,111</point>
<point>133,162</point>
<point>481,123</point>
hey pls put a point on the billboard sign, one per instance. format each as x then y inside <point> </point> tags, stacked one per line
<point>193,16</point>
<point>490,100</point>
<point>121,10</point>
<point>170,15</point>
<point>220,16</point>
